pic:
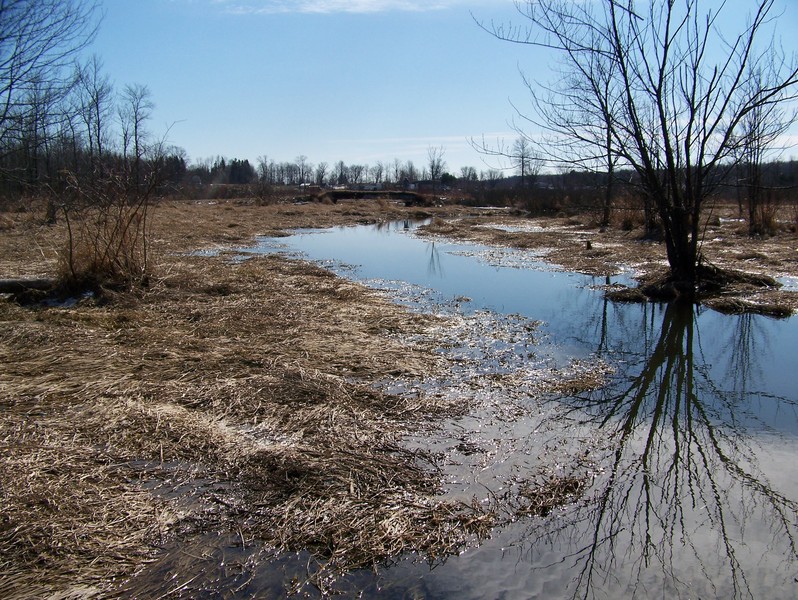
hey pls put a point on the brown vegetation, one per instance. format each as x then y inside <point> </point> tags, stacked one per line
<point>256,376</point>
<point>240,397</point>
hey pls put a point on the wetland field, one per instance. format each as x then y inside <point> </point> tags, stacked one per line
<point>370,400</point>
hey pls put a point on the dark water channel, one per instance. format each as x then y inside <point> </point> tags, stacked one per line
<point>692,445</point>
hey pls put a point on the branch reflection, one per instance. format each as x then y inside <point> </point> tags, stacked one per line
<point>681,498</point>
<point>434,265</point>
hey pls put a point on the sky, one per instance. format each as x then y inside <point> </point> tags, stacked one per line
<point>354,80</point>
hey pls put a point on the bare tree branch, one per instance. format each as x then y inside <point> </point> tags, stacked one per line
<point>656,87</point>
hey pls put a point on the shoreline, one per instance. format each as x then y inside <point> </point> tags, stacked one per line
<point>244,394</point>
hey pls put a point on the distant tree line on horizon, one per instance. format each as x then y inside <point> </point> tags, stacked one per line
<point>63,121</point>
<point>81,125</point>
<point>78,123</point>
<point>221,170</point>
<point>522,183</point>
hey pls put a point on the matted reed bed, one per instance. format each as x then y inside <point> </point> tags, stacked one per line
<point>237,373</point>
<point>227,397</point>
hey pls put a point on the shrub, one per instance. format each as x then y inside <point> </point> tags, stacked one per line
<point>106,221</point>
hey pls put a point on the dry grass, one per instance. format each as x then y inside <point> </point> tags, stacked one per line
<point>253,375</point>
<point>238,397</point>
<point>70,518</point>
<point>544,496</point>
<point>226,397</point>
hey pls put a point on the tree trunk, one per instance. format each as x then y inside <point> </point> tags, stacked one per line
<point>682,250</point>
<point>606,208</point>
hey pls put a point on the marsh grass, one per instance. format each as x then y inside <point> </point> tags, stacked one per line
<point>250,375</point>
<point>542,497</point>
<point>70,519</point>
<point>227,398</point>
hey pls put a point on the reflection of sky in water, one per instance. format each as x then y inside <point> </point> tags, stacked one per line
<point>754,352</point>
<point>448,268</point>
<point>753,356</point>
<point>702,411</point>
<point>522,285</point>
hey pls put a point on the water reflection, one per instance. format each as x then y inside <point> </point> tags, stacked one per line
<point>682,498</point>
<point>692,443</point>
<point>434,265</point>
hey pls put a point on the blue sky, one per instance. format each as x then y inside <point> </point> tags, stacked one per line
<point>352,80</point>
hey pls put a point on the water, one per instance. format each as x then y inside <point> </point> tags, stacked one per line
<point>385,253</point>
<point>691,445</point>
<point>498,279</point>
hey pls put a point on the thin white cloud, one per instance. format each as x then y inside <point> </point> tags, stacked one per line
<point>250,7</point>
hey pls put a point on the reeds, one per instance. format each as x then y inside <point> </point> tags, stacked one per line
<point>115,418</point>
<point>70,519</point>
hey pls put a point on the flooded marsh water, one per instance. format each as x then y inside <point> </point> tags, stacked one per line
<point>690,448</point>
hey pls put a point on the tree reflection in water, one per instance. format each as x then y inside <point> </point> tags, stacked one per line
<point>680,501</point>
<point>434,266</point>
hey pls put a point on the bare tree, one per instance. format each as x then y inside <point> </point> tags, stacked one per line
<point>468,174</point>
<point>521,157</point>
<point>38,39</point>
<point>321,173</point>
<point>290,173</point>
<point>263,169</point>
<point>35,130</point>
<point>435,163</point>
<point>491,177</point>
<point>396,168</point>
<point>674,92</point>
<point>575,115</point>
<point>408,173</point>
<point>377,172</point>
<point>304,168</point>
<point>95,103</point>
<point>525,161</point>
<point>757,134</point>
<point>356,173</point>
<point>135,110</point>
<point>341,173</point>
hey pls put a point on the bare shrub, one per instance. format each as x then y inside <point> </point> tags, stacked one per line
<point>763,215</point>
<point>106,221</point>
<point>625,219</point>
<point>263,193</point>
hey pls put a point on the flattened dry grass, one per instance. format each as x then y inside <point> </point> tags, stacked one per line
<point>354,515</point>
<point>543,497</point>
<point>226,397</point>
<point>69,518</point>
<point>255,375</point>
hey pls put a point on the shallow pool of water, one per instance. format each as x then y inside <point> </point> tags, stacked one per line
<point>691,447</point>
